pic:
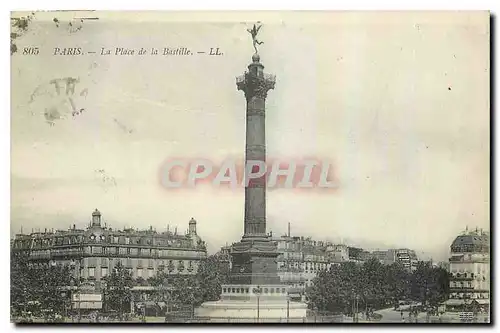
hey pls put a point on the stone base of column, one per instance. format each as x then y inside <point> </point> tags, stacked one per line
<point>254,262</point>
<point>241,303</point>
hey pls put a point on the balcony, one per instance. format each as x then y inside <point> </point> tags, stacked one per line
<point>290,270</point>
<point>39,256</point>
<point>462,276</point>
<point>461,289</point>
<point>250,79</point>
<point>457,259</point>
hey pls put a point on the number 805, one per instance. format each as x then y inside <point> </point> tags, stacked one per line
<point>30,51</point>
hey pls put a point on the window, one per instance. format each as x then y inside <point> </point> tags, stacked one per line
<point>104,272</point>
<point>92,262</point>
<point>139,272</point>
<point>171,266</point>
<point>92,272</point>
<point>180,266</point>
<point>150,273</point>
<point>223,290</point>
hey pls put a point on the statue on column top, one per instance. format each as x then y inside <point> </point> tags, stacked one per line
<point>254,31</point>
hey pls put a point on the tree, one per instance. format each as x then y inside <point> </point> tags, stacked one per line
<point>211,275</point>
<point>320,294</point>
<point>398,283</point>
<point>118,294</point>
<point>190,290</point>
<point>429,284</point>
<point>162,292</point>
<point>372,285</point>
<point>335,290</point>
<point>37,288</point>
<point>186,291</point>
<point>51,282</point>
<point>20,291</point>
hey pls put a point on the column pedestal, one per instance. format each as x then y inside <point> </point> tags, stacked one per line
<point>243,303</point>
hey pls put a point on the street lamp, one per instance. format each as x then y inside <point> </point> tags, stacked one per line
<point>257,291</point>
<point>356,304</point>
<point>75,284</point>
<point>288,307</point>
<point>63,295</point>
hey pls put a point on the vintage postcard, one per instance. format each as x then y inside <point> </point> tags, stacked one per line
<point>250,167</point>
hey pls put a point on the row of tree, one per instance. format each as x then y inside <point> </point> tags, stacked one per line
<point>40,290</point>
<point>373,285</point>
<point>173,290</point>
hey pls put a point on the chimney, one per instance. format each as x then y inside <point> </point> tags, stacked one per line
<point>288,229</point>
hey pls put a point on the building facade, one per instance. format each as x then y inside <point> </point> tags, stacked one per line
<point>302,258</point>
<point>469,270</point>
<point>291,264</point>
<point>93,252</point>
<point>408,258</point>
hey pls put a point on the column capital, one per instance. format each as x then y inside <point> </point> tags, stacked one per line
<point>255,83</point>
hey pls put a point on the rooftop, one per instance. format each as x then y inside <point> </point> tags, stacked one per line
<point>476,241</point>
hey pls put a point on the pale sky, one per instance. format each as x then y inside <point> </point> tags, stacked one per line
<point>398,101</point>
